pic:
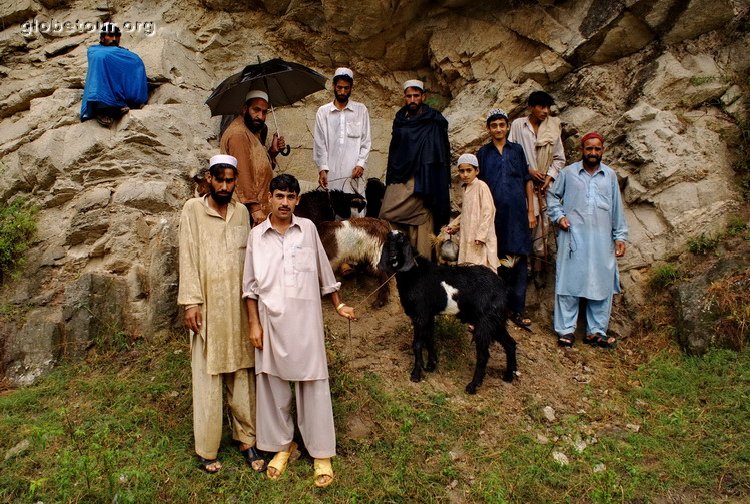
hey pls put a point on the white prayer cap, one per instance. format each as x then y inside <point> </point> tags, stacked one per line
<point>343,71</point>
<point>414,83</point>
<point>222,159</point>
<point>256,93</point>
<point>468,159</point>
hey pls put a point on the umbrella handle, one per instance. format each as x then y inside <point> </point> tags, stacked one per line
<point>285,151</point>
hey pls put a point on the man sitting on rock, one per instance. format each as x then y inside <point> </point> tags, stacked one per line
<point>115,80</point>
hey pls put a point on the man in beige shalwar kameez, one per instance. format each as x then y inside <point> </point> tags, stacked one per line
<point>213,236</point>
<point>243,139</point>
<point>286,272</point>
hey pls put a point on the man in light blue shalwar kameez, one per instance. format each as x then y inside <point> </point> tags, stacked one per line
<point>585,202</point>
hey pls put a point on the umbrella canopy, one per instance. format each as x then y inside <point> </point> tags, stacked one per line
<point>284,81</point>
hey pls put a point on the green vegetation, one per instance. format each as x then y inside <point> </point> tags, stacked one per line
<point>742,164</point>
<point>17,227</point>
<point>700,80</point>
<point>122,433</point>
<point>703,244</point>
<point>736,226</point>
<point>664,276</point>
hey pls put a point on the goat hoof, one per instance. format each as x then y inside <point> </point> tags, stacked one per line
<point>416,377</point>
<point>471,388</point>
<point>508,376</point>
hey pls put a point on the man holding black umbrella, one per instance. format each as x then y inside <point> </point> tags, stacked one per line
<point>245,139</point>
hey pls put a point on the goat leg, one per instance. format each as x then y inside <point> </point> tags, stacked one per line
<point>429,338</point>
<point>384,291</point>
<point>418,343</point>
<point>482,340</point>
<point>509,345</point>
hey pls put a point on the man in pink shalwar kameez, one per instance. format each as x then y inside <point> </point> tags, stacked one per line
<point>286,273</point>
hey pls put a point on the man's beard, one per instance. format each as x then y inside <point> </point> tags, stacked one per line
<point>221,199</point>
<point>592,160</point>
<point>342,98</point>
<point>254,125</point>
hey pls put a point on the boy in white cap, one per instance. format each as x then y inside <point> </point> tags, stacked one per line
<point>245,139</point>
<point>477,240</point>
<point>342,139</point>
<point>213,238</point>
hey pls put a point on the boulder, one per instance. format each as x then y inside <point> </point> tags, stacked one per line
<point>34,350</point>
<point>93,313</point>
<point>698,313</point>
<point>16,11</point>
<point>151,196</point>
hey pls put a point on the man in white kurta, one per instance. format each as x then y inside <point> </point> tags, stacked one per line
<point>286,273</point>
<point>342,139</point>
<point>213,236</point>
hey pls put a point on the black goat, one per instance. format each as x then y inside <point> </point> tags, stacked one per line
<point>475,294</point>
<point>320,206</point>
<point>374,192</point>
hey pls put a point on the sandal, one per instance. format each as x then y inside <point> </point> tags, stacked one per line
<point>566,340</point>
<point>252,456</point>
<point>323,472</point>
<point>521,321</point>
<point>210,466</point>
<point>104,120</point>
<point>278,463</point>
<point>606,341</point>
<point>591,339</point>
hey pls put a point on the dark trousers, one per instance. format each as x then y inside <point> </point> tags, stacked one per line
<point>515,278</point>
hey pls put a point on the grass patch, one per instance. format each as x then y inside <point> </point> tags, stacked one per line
<point>17,228</point>
<point>118,428</point>
<point>703,244</point>
<point>664,276</point>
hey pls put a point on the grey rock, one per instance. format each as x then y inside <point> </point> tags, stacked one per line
<point>34,350</point>
<point>19,448</point>
<point>549,413</point>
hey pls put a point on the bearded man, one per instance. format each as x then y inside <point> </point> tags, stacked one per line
<point>342,139</point>
<point>244,139</point>
<point>213,239</point>
<point>585,202</point>
<point>417,192</point>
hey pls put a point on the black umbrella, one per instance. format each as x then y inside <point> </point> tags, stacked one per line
<point>284,81</point>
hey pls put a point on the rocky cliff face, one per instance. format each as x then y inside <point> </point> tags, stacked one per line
<point>662,79</point>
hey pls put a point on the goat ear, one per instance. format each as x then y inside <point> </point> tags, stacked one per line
<point>384,265</point>
<point>408,253</point>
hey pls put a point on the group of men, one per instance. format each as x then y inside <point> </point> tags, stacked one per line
<point>252,274</point>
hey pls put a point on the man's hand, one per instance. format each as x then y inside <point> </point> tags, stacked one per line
<point>532,220</point>
<point>619,248</point>
<point>347,312</point>
<point>258,217</point>
<point>358,171</point>
<point>323,178</point>
<point>194,319</point>
<point>449,230</point>
<point>277,145</point>
<point>537,175</point>
<point>256,336</point>
<point>547,182</point>
<point>564,223</point>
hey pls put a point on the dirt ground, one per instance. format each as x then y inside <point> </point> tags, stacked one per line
<point>548,375</point>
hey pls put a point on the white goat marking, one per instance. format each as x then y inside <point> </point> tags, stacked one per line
<point>451,307</point>
<point>356,245</point>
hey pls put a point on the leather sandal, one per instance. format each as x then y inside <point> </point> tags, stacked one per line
<point>566,340</point>
<point>210,466</point>
<point>278,463</point>
<point>252,456</point>
<point>323,472</point>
